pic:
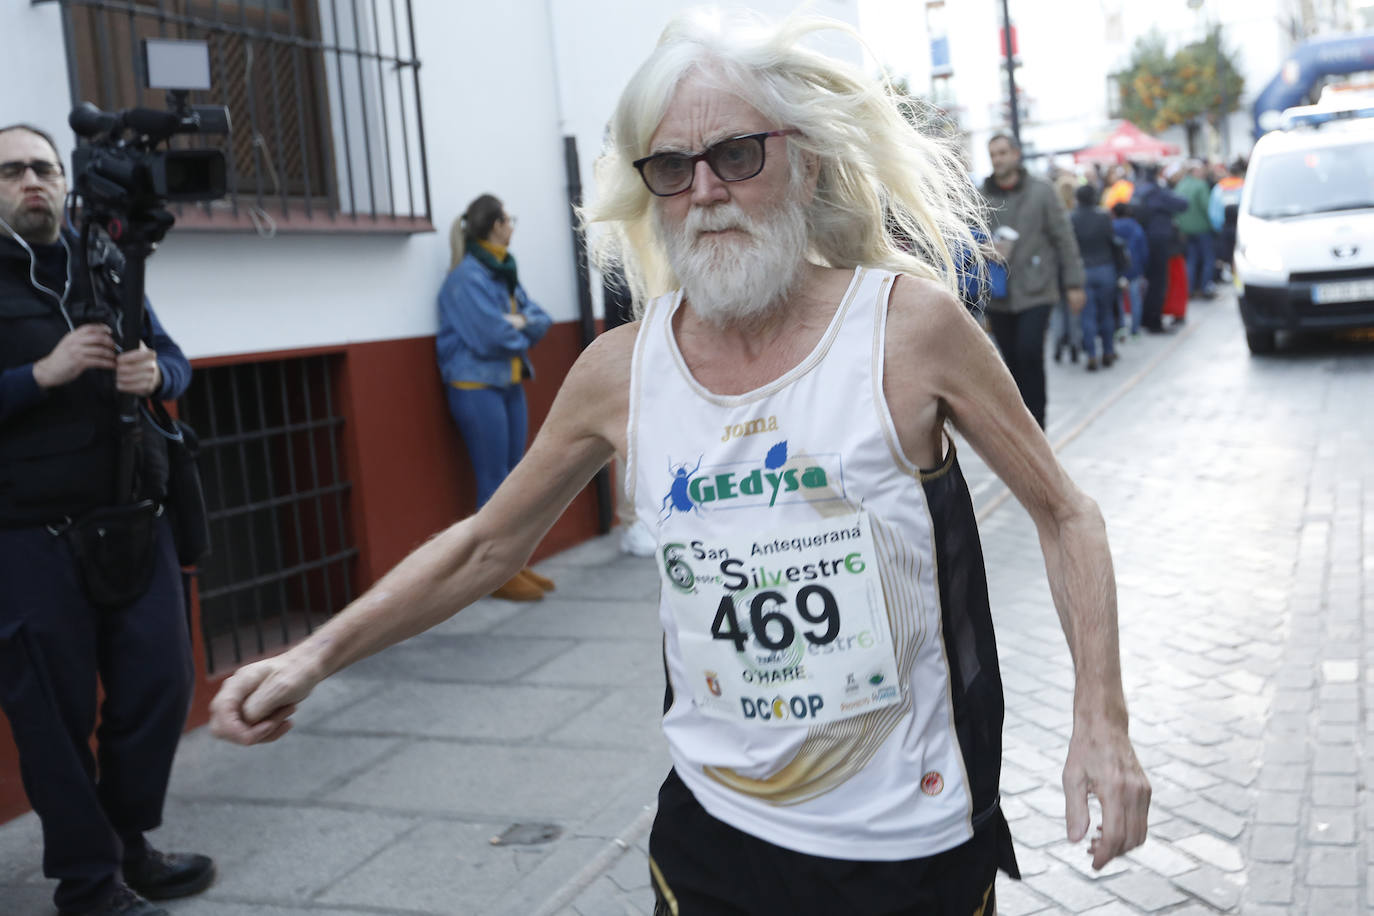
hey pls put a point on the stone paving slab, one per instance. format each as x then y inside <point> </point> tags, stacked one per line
<point>465,657</point>
<point>518,782</point>
<point>442,866</point>
<point>497,712</point>
<point>278,854</point>
<point>626,718</point>
<point>587,618</point>
<point>306,768</point>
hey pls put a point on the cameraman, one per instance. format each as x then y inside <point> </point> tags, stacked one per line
<point>59,374</point>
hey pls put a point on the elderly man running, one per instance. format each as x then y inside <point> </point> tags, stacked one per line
<point>835,706</point>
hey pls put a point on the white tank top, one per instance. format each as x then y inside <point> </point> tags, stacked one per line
<point>798,492</point>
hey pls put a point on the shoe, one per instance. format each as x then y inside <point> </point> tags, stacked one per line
<point>544,583</point>
<point>1154,328</point>
<point>1059,352</point>
<point>637,540</point>
<point>1121,335</point>
<point>1108,359</point>
<point>165,875</point>
<point>1073,353</point>
<point>1092,363</point>
<point>519,589</point>
<point>123,902</point>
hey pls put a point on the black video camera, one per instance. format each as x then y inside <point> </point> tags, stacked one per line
<point>125,177</point>
<point>121,168</point>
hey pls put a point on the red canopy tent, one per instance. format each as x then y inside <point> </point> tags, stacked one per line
<point>1126,143</point>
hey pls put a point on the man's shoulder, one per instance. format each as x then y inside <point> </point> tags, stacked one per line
<point>1034,184</point>
<point>991,188</point>
<point>612,351</point>
<point>599,380</point>
<point>1039,192</point>
<point>918,306</point>
<point>928,334</point>
<point>14,260</point>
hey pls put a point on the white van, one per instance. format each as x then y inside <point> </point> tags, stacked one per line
<point>1305,231</point>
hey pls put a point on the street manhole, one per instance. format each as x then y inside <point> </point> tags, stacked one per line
<point>527,835</point>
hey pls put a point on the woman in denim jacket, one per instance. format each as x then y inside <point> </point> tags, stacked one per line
<point>487,323</point>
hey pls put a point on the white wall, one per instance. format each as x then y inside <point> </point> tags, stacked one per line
<point>34,69</point>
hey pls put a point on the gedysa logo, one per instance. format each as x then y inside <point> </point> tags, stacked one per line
<point>740,485</point>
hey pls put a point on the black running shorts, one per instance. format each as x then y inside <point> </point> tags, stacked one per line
<point>701,866</point>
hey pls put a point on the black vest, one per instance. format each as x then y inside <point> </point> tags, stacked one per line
<point>58,456</point>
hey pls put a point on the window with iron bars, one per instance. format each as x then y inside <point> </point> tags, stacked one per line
<point>324,98</point>
<point>282,554</point>
<point>1114,95</point>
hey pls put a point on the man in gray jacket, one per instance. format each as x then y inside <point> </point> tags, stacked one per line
<point>1031,231</point>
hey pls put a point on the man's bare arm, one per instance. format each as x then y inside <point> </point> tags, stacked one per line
<point>584,429</point>
<point>951,369</point>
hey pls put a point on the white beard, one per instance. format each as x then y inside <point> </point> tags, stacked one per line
<point>734,280</point>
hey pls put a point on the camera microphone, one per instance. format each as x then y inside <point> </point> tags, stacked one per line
<point>89,121</point>
<point>150,122</point>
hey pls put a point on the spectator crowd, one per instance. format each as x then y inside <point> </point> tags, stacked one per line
<point>1093,257</point>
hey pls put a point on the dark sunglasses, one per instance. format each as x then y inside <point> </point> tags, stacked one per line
<point>735,159</point>
<point>45,170</point>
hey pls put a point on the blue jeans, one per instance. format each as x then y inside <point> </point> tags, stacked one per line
<point>1200,262</point>
<point>1136,288</point>
<point>493,422</point>
<point>53,646</point>
<point>1064,329</point>
<point>1099,313</point>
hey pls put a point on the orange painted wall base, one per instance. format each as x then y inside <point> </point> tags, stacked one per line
<point>410,474</point>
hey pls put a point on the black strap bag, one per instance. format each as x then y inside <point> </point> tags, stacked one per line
<point>185,494</point>
<point>115,551</point>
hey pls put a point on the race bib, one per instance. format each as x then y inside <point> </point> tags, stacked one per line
<point>787,629</point>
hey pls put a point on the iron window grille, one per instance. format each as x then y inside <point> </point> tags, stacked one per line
<point>282,549</point>
<point>1114,100</point>
<point>324,96</point>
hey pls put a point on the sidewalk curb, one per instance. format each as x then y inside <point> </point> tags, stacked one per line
<point>599,864</point>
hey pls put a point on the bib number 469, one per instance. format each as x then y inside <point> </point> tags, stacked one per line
<point>774,629</point>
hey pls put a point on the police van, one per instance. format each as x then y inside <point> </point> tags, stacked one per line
<point>1304,257</point>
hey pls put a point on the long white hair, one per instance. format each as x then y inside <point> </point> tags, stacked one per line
<point>889,193</point>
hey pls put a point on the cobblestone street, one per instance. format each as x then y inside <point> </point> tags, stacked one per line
<point>1237,492</point>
